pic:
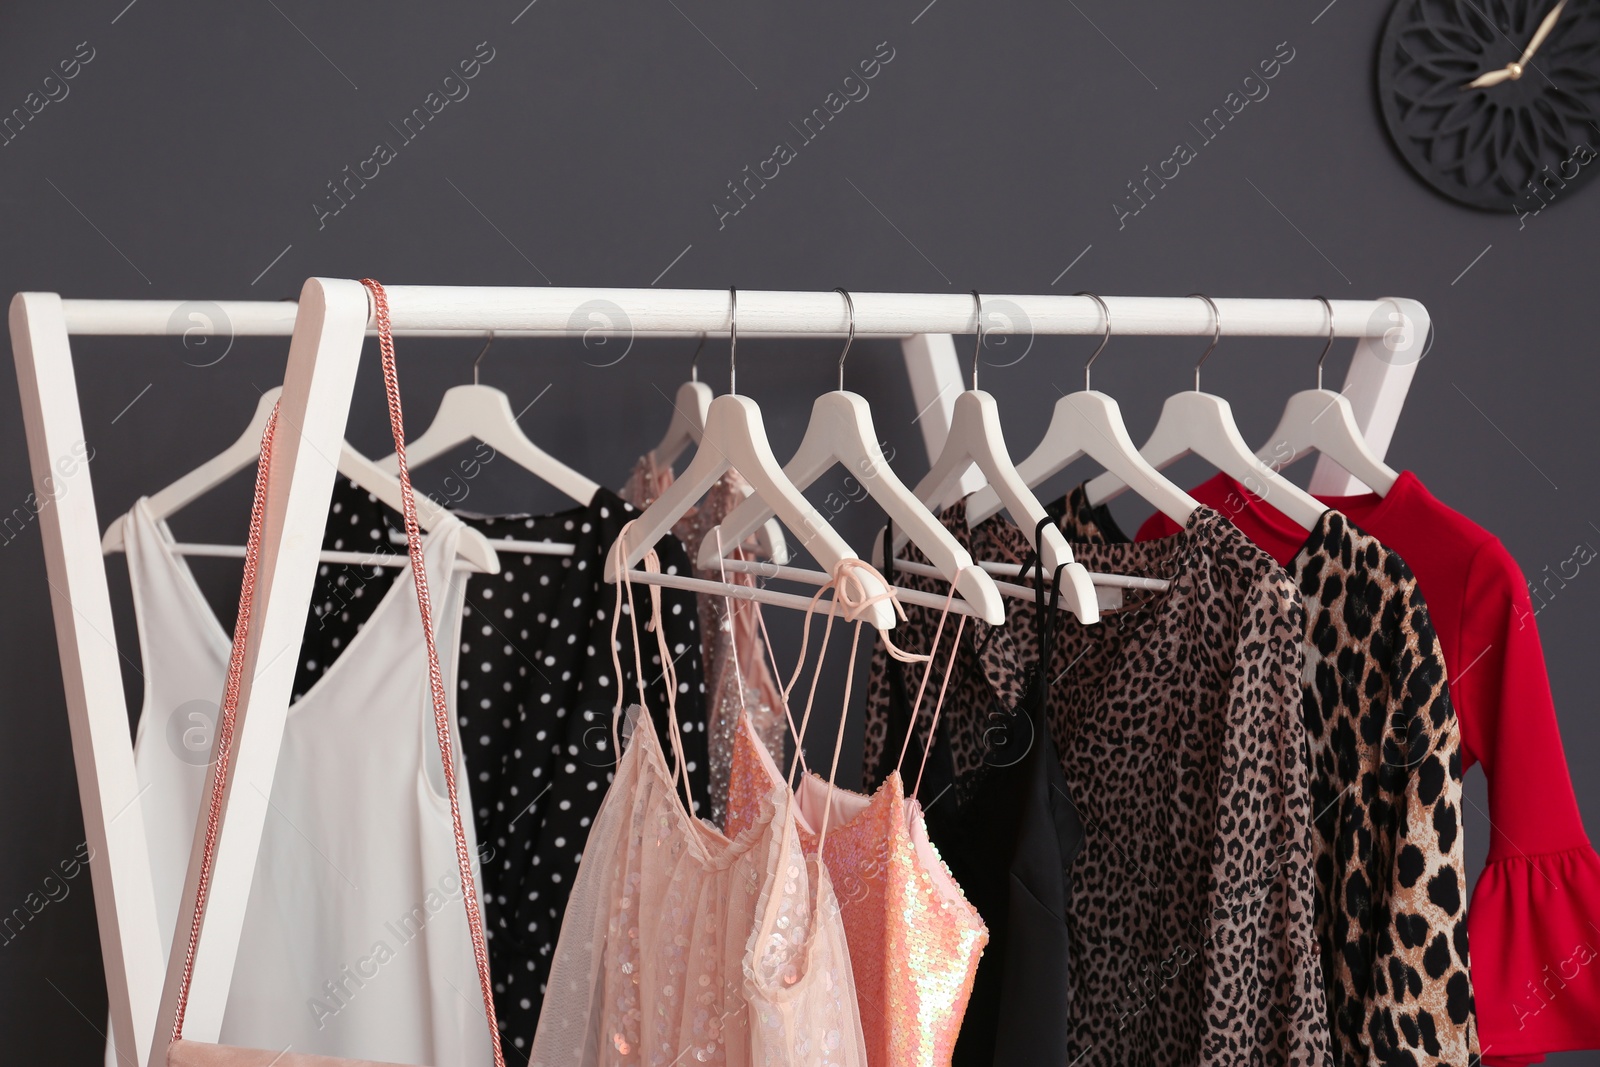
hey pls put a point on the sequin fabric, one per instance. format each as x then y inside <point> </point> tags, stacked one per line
<point>732,649</point>
<point>683,946</point>
<point>914,940</point>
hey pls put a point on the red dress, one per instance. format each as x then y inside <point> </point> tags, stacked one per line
<point>1534,920</point>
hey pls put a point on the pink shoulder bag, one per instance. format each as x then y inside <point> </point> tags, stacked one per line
<point>181,1053</point>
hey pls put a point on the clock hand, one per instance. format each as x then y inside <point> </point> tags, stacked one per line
<point>1542,32</point>
<point>1512,71</point>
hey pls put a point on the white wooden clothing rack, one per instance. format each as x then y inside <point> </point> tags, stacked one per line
<point>326,329</point>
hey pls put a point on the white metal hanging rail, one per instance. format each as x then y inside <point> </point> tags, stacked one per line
<point>326,328</point>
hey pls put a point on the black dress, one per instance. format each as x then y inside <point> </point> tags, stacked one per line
<point>1009,834</point>
<point>536,689</point>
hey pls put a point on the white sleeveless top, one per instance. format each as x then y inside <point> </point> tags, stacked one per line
<point>355,942</point>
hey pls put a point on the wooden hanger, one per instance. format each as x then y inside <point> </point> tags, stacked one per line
<point>975,439</point>
<point>1202,424</point>
<point>483,413</point>
<point>473,547</point>
<point>841,432</point>
<point>688,423</point>
<point>1089,423</point>
<point>1321,420</point>
<point>688,415</point>
<point>734,438</point>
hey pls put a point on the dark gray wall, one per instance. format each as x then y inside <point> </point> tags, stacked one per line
<point>188,156</point>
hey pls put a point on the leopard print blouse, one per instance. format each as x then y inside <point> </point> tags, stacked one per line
<point>1386,794</point>
<point>1177,723</point>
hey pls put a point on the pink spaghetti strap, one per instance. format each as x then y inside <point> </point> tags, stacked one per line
<point>805,719</point>
<point>616,672</point>
<point>852,602</point>
<point>772,659</point>
<point>938,706</point>
<point>227,716</point>
<point>838,740</point>
<point>669,671</point>
<point>766,641</point>
<point>922,688</point>
<point>927,672</point>
<point>669,677</point>
<point>796,732</point>
<point>816,674</point>
<point>858,609</point>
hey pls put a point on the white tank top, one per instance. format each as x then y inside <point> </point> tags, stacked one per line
<point>355,942</point>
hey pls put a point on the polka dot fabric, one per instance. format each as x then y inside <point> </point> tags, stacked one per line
<point>535,698</point>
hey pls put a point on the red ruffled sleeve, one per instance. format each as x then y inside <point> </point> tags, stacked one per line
<point>1534,921</point>
<point>1536,955</point>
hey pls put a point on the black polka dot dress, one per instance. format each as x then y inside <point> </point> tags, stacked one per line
<point>536,689</point>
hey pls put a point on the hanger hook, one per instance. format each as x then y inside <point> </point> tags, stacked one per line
<point>1216,335</point>
<point>1105,313</point>
<point>978,350</point>
<point>482,352</point>
<point>694,360</point>
<point>733,338</point>
<point>1327,307</point>
<point>850,306</point>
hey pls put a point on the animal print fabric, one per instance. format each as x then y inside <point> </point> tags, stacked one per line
<point>1177,722</point>
<point>1386,796</point>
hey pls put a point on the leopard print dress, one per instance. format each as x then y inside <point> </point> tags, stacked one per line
<point>1386,793</point>
<point>1177,724</point>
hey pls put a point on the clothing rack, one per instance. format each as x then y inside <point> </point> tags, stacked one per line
<point>326,329</point>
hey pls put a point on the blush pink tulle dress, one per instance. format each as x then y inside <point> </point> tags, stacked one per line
<point>683,946</point>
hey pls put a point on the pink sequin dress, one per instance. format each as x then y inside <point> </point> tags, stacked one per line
<point>681,945</point>
<point>914,940</point>
<point>735,656</point>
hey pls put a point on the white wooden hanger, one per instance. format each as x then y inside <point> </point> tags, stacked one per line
<point>734,438</point>
<point>841,432</point>
<point>975,440</point>
<point>473,547</point>
<point>689,409</point>
<point>688,415</point>
<point>1321,420</point>
<point>483,413</point>
<point>1202,423</point>
<point>1089,423</point>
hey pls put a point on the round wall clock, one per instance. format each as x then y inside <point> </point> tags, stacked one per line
<point>1494,103</point>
